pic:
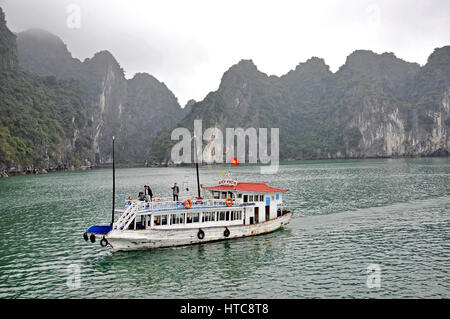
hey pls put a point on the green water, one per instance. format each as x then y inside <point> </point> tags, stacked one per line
<point>348,214</point>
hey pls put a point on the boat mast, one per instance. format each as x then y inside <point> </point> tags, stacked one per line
<point>196,167</point>
<point>198,180</point>
<point>114,183</point>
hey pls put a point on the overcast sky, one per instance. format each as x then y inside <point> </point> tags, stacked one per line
<point>189,44</point>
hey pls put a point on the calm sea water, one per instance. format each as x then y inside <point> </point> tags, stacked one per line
<point>348,215</point>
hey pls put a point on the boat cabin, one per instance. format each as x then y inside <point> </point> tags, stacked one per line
<point>259,201</point>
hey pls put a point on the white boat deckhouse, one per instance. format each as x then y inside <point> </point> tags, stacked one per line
<point>259,201</point>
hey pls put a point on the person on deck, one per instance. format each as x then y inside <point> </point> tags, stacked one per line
<point>176,192</point>
<point>141,196</point>
<point>148,193</point>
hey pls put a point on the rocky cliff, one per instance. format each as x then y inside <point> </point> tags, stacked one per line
<point>8,48</point>
<point>63,111</point>
<point>43,121</point>
<point>133,110</point>
<point>375,105</point>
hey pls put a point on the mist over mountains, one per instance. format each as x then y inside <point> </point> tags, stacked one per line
<point>59,111</point>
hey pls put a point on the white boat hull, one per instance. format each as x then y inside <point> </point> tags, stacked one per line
<point>158,238</point>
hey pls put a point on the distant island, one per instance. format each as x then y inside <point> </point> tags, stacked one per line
<point>58,112</point>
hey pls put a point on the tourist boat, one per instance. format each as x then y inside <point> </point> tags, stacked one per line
<point>232,210</point>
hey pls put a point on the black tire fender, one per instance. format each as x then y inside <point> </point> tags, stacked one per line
<point>104,242</point>
<point>200,234</point>
<point>85,236</point>
<point>92,238</point>
<point>226,232</point>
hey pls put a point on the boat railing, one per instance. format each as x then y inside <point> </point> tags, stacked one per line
<point>166,204</point>
<point>128,215</point>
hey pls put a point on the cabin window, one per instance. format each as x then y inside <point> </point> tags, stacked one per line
<point>222,216</point>
<point>196,217</point>
<point>206,217</point>
<point>239,195</point>
<point>230,194</point>
<point>245,198</point>
<point>216,195</point>
<point>261,198</point>
<point>278,196</point>
<point>213,216</point>
<point>177,219</point>
<point>250,198</point>
<point>224,195</point>
<point>164,220</point>
<point>228,215</point>
<point>192,218</point>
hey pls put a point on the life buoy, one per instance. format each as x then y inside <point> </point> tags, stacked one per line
<point>186,205</point>
<point>92,238</point>
<point>226,232</point>
<point>200,234</point>
<point>229,201</point>
<point>85,236</point>
<point>104,242</point>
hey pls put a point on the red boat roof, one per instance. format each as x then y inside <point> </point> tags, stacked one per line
<point>247,187</point>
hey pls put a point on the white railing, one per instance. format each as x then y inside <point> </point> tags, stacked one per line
<point>128,215</point>
<point>156,205</point>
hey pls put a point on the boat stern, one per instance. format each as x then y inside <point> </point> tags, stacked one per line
<point>97,232</point>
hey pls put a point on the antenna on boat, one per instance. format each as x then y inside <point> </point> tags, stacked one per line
<point>114,182</point>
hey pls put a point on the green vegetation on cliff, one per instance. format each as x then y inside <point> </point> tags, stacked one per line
<point>39,117</point>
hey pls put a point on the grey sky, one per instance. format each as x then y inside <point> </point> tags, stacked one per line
<point>189,44</point>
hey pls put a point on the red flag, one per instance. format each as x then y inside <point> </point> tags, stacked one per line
<point>234,161</point>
